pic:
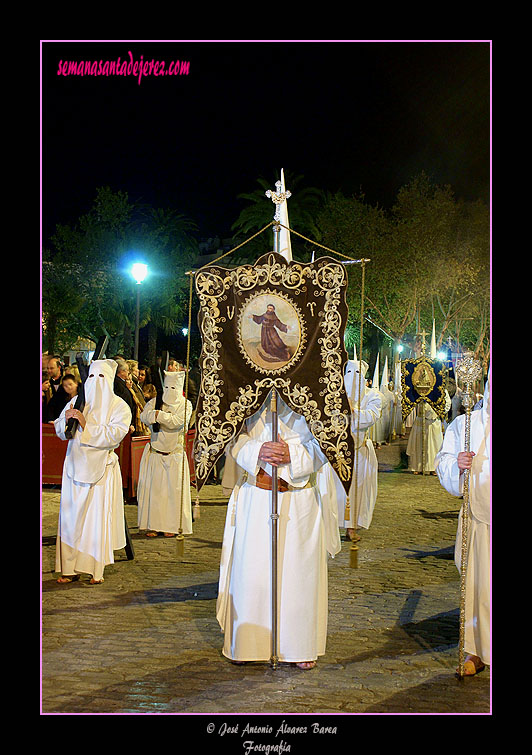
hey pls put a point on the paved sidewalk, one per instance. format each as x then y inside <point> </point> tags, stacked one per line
<point>147,640</point>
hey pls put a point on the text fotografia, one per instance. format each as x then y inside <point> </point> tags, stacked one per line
<point>250,746</point>
<point>126,67</point>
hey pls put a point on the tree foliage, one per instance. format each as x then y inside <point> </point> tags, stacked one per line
<point>87,287</point>
<point>429,259</point>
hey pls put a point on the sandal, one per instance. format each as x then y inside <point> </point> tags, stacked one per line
<point>66,580</point>
<point>95,581</point>
<point>151,534</point>
<point>352,535</point>
<point>472,665</point>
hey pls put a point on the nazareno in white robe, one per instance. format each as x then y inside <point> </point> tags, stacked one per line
<point>365,470</point>
<point>91,514</point>
<point>231,472</point>
<point>164,480</point>
<point>432,439</point>
<point>477,606</point>
<point>307,530</point>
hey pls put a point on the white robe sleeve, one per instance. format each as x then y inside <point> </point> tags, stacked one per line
<point>169,420</point>
<point>60,422</point>
<point>305,458</point>
<point>446,461</point>
<point>246,453</point>
<point>366,417</point>
<point>111,433</point>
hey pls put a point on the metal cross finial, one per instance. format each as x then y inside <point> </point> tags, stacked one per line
<point>278,197</point>
<point>423,344</point>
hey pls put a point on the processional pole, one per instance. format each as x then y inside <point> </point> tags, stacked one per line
<point>353,551</point>
<point>468,370</point>
<point>277,198</point>
<point>180,539</point>
<point>423,444</point>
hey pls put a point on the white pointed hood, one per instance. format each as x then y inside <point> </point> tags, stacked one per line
<point>355,380</point>
<point>98,389</point>
<point>384,378</point>
<point>173,388</point>
<point>375,381</point>
<point>108,418</point>
<point>433,341</point>
<point>285,247</point>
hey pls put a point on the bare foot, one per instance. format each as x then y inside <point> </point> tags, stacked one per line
<point>306,665</point>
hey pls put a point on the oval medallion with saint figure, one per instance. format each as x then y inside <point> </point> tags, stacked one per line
<point>423,378</point>
<point>270,332</point>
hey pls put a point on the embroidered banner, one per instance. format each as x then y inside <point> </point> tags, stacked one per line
<point>274,324</point>
<point>423,379</point>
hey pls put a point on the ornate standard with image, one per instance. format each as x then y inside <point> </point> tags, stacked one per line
<point>313,298</point>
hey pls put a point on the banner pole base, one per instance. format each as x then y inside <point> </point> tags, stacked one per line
<point>180,545</point>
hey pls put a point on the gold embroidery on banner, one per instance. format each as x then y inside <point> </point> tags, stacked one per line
<point>332,430</point>
<point>423,380</point>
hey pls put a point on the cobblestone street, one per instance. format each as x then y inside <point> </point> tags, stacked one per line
<point>147,639</point>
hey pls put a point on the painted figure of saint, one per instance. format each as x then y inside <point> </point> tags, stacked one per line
<point>275,349</point>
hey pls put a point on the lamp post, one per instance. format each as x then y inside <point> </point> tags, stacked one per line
<point>139,271</point>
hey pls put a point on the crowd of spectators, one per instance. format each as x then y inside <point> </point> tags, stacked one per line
<point>133,383</point>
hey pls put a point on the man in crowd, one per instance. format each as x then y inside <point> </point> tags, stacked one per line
<point>54,395</point>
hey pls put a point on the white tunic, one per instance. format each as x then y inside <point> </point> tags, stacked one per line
<point>164,478</point>
<point>91,516</point>
<point>382,427</point>
<point>232,472</point>
<point>376,431</point>
<point>431,440</point>
<point>365,470</point>
<point>477,608</point>
<point>307,529</point>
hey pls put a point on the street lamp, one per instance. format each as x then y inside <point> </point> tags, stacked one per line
<point>139,271</point>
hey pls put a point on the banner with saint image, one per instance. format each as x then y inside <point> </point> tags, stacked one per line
<point>274,324</point>
<point>423,379</point>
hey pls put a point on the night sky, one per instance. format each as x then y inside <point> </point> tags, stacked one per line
<point>350,116</point>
